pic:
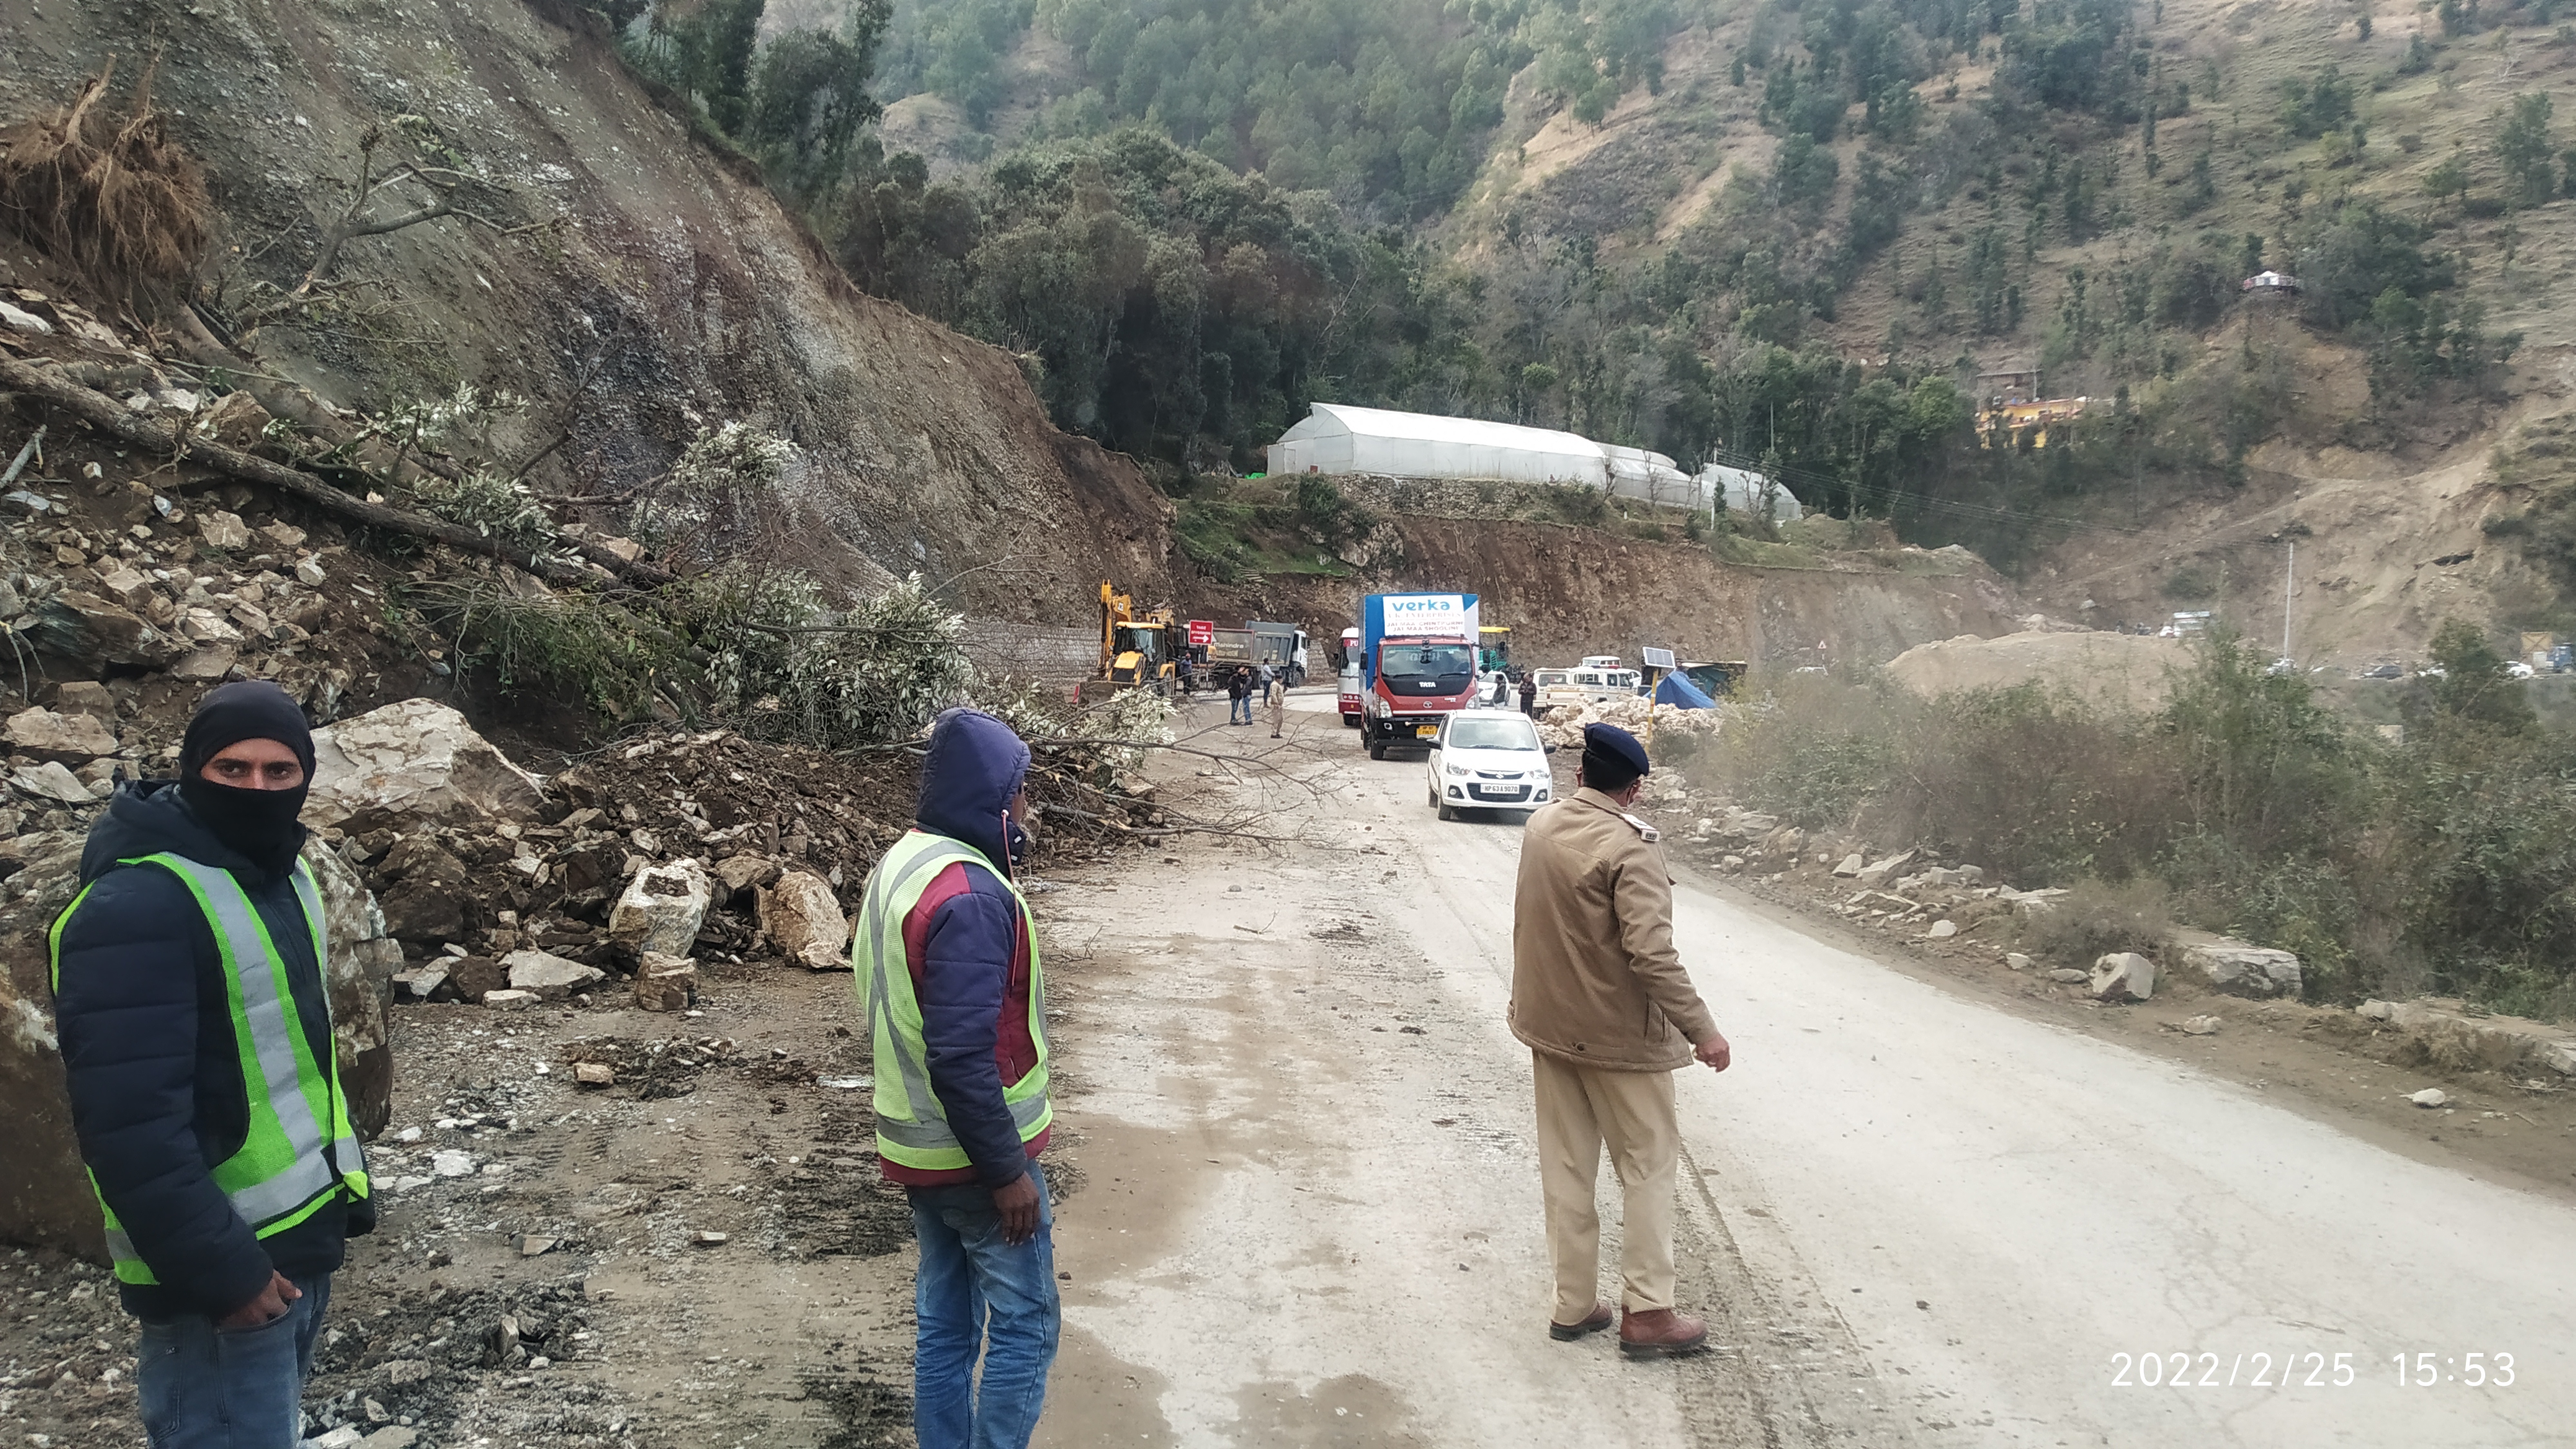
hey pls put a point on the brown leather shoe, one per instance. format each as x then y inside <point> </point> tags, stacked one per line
<point>1602,1317</point>
<point>1661,1333</point>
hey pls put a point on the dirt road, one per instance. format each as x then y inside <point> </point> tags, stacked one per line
<point>1310,1217</point>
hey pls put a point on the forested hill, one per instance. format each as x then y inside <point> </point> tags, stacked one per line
<point>1783,230</point>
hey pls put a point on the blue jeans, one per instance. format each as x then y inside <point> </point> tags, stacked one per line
<point>205,1387</point>
<point>971,1284</point>
<point>1240,711</point>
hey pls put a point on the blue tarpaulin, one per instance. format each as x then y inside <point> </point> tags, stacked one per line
<point>1676,688</point>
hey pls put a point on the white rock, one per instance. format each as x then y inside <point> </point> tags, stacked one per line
<point>412,762</point>
<point>212,662</point>
<point>50,781</point>
<point>2123,976</point>
<point>594,1074</point>
<point>2016,960</point>
<point>2376,1009</point>
<point>452,1163</point>
<point>2241,968</point>
<point>18,320</point>
<point>411,1183</point>
<point>309,572</point>
<point>225,531</point>
<point>69,738</point>
<point>2069,976</point>
<point>1851,865</point>
<point>661,909</point>
<point>396,1436</point>
<point>1944,930</point>
<point>2430,1097</point>
<point>347,1436</point>
<point>1876,873</point>
<point>509,999</point>
<point>803,919</point>
<point>2560,1057</point>
<point>547,976</point>
<point>2200,1026</point>
<point>665,983</point>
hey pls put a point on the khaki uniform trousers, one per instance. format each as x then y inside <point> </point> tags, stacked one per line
<point>1580,1111</point>
<point>1278,707</point>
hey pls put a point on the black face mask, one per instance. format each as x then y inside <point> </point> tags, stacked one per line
<point>260,824</point>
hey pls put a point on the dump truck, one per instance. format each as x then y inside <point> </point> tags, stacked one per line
<point>1281,646</point>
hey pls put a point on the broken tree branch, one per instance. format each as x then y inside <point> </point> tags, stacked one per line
<point>112,417</point>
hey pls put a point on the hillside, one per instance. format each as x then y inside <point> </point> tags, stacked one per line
<point>638,285</point>
<point>1803,233</point>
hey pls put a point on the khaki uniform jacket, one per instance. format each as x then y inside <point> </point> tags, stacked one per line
<point>1595,979</point>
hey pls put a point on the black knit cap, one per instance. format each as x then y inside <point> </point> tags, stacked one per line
<point>1612,757</point>
<point>251,709</point>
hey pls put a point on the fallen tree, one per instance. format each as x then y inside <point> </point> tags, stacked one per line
<point>178,443</point>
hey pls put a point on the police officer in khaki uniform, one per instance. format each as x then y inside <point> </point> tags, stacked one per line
<point>1609,1014</point>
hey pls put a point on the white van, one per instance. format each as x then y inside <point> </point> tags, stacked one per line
<point>1585,684</point>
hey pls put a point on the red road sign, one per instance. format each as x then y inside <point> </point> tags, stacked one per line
<point>1202,633</point>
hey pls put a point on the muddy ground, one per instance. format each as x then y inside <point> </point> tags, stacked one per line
<point>704,1254</point>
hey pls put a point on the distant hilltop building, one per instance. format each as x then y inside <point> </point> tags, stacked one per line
<point>1339,438</point>
<point>2269,284</point>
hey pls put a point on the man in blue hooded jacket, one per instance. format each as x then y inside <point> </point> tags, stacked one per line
<point>947,964</point>
<point>197,1048</point>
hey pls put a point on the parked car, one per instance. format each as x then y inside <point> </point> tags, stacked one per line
<point>1487,760</point>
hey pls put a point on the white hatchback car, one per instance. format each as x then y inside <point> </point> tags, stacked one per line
<point>1487,760</point>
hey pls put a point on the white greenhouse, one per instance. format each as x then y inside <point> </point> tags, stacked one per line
<point>1652,478</point>
<point>1340,439</point>
<point>1742,491</point>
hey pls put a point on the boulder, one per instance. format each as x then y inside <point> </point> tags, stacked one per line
<point>2017,961</point>
<point>2430,1097</point>
<point>223,530</point>
<point>739,873</point>
<point>44,1195</point>
<point>363,960</point>
<point>549,977</point>
<point>424,984</point>
<point>1878,872</point>
<point>125,586</point>
<point>476,977</point>
<point>70,738</point>
<point>509,1000</point>
<point>660,909</point>
<point>208,663</point>
<point>2240,968</point>
<point>1943,930</point>
<point>85,696</point>
<point>666,983</point>
<point>50,781</point>
<point>594,1074</point>
<point>1852,865</point>
<point>413,762</point>
<point>803,920</point>
<point>429,895</point>
<point>2123,976</point>
<point>94,633</point>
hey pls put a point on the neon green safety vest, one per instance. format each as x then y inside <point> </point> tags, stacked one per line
<point>286,1169</point>
<point>912,1128</point>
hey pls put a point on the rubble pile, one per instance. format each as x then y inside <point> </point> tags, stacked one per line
<point>1563,725</point>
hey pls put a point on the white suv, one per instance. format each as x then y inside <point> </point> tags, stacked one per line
<point>1487,760</point>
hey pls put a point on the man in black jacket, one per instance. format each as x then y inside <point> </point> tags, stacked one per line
<point>196,1039</point>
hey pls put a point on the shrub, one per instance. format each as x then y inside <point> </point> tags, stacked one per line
<point>2094,919</point>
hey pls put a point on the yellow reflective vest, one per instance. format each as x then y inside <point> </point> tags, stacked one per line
<point>912,1127</point>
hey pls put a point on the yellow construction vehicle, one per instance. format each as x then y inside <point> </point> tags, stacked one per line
<point>1135,649</point>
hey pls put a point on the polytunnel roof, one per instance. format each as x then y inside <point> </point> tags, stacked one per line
<point>1385,423</point>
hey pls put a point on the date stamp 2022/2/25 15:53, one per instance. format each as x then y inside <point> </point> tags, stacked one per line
<point>2310,1369</point>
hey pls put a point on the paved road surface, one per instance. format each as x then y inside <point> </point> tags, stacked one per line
<point>1310,1215</point>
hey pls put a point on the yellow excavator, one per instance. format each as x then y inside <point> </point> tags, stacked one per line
<point>1135,649</point>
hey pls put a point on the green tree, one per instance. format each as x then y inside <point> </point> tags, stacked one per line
<point>2523,148</point>
<point>2473,687</point>
<point>809,96</point>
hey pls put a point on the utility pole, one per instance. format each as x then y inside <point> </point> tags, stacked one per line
<point>2289,577</point>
